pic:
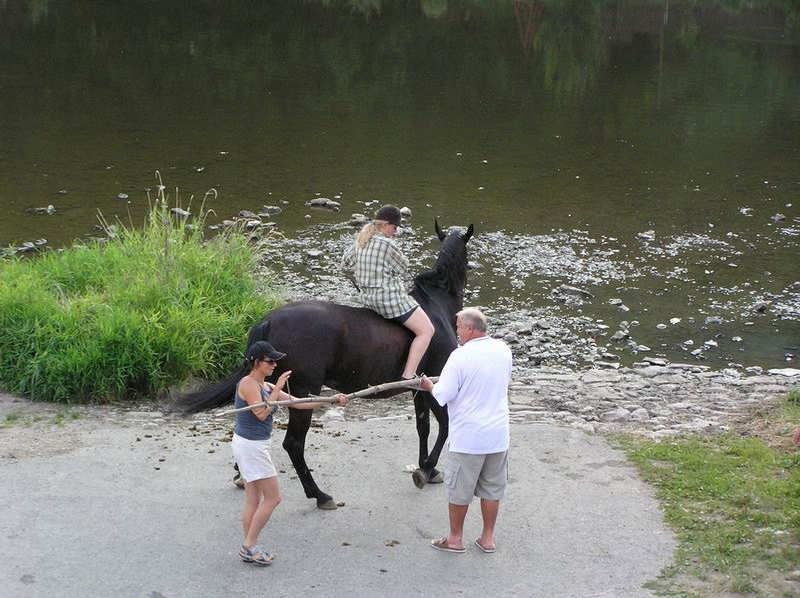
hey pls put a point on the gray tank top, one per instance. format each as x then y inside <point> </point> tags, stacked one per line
<point>248,425</point>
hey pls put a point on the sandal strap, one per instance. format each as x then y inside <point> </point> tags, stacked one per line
<point>257,553</point>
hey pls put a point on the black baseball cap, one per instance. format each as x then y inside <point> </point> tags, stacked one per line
<point>390,214</point>
<point>261,350</point>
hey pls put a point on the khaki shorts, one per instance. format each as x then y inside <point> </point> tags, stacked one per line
<point>253,458</point>
<point>484,476</point>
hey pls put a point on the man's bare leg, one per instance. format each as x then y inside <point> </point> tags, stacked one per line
<point>457,513</point>
<point>489,510</point>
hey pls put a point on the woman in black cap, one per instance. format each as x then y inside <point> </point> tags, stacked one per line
<point>250,444</point>
<point>379,267</point>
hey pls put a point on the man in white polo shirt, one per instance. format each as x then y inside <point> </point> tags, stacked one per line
<point>474,387</point>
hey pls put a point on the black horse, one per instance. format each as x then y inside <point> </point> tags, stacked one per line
<point>350,348</point>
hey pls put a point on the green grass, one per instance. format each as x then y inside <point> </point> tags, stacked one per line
<point>128,317</point>
<point>10,419</point>
<point>66,416</point>
<point>734,502</point>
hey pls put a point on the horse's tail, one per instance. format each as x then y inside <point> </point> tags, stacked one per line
<point>211,396</point>
<point>220,392</point>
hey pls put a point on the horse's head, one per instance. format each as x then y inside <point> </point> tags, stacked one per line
<point>453,252</point>
<point>442,236</point>
<point>450,271</point>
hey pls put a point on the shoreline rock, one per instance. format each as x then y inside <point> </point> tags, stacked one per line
<point>650,400</point>
<point>654,400</point>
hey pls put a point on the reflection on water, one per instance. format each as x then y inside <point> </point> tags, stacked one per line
<point>526,118</point>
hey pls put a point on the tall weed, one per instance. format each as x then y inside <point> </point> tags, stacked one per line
<point>128,317</point>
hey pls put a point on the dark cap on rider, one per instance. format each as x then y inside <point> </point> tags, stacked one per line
<point>390,214</point>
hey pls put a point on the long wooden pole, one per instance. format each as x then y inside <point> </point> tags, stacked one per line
<point>410,384</point>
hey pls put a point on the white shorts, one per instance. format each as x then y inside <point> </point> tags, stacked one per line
<point>253,459</point>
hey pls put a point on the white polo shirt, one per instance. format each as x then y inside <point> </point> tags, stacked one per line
<point>474,386</point>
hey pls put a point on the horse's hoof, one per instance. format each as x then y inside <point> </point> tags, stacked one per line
<point>436,477</point>
<point>327,504</point>
<point>237,480</point>
<point>419,478</point>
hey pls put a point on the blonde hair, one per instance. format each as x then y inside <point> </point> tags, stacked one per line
<point>368,231</point>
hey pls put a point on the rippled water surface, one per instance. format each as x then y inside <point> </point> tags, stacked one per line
<point>644,152</point>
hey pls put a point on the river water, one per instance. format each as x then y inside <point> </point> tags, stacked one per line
<point>644,152</point>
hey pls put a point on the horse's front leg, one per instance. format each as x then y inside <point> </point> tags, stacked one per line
<point>440,413</point>
<point>424,403</point>
<point>295,443</point>
<point>423,414</point>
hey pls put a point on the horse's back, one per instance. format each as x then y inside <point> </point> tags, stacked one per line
<point>344,347</point>
<point>325,322</point>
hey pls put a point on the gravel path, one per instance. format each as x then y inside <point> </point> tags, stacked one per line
<point>100,501</point>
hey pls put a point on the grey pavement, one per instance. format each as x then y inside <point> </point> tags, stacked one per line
<point>96,518</point>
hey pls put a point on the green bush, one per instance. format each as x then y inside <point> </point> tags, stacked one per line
<point>128,317</point>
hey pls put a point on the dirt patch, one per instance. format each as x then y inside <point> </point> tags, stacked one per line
<point>34,429</point>
<point>766,423</point>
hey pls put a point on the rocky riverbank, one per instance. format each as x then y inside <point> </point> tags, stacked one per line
<point>656,400</point>
<point>653,400</point>
<point>572,299</point>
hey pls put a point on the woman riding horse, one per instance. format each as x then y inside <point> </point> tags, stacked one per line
<point>379,266</point>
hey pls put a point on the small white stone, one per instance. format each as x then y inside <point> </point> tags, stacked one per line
<point>784,372</point>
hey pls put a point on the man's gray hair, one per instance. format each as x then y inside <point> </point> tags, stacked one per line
<point>473,318</point>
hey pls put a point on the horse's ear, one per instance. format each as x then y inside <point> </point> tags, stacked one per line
<point>468,234</point>
<point>439,230</point>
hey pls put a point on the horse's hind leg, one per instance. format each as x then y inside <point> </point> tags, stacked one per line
<point>294,443</point>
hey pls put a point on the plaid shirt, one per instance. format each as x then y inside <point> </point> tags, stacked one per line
<point>379,268</point>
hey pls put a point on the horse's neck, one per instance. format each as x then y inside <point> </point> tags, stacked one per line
<point>437,298</point>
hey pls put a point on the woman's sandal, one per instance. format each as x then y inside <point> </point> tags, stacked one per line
<point>256,555</point>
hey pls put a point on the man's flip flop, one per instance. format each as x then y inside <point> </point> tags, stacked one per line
<point>441,544</point>
<point>483,548</point>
